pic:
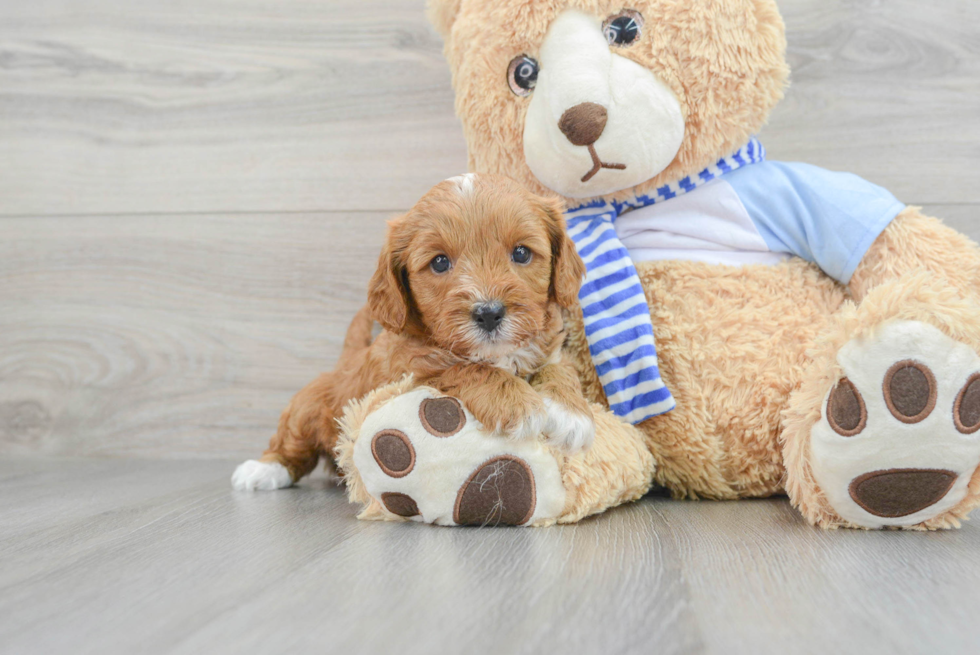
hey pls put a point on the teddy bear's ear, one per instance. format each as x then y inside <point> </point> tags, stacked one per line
<point>442,15</point>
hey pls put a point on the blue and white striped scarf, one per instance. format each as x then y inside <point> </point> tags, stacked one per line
<point>617,318</point>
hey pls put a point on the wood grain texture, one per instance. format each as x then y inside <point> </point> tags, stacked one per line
<point>130,556</point>
<point>180,336</point>
<point>170,335</point>
<point>112,106</point>
<point>887,90</point>
<point>193,196</point>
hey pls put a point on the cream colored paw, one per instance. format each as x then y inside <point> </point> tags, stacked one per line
<point>265,476</point>
<point>423,456</point>
<point>898,439</point>
<point>567,428</point>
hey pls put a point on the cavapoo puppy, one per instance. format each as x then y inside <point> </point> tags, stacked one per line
<point>469,289</point>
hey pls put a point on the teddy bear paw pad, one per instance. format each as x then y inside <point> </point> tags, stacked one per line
<point>424,457</point>
<point>501,491</point>
<point>897,441</point>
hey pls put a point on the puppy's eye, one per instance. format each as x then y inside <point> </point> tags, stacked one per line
<point>521,255</point>
<point>624,28</point>
<point>522,75</point>
<point>440,264</point>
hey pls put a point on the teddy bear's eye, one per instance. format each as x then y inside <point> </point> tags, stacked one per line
<point>624,28</point>
<point>522,75</point>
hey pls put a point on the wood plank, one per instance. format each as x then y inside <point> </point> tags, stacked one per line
<point>886,90</point>
<point>181,336</point>
<point>249,105</point>
<point>776,584</point>
<point>111,106</point>
<point>965,218</point>
<point>171,335</point>
<point>165,558</point>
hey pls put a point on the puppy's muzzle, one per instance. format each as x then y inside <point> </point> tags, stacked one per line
<point>488,315</point>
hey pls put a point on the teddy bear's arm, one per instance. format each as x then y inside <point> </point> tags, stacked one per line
<point>915,241</point>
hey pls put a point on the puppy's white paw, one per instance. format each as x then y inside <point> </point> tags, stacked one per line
<point>530,428</point>
<point>568,429</point>
<point>265,476</point>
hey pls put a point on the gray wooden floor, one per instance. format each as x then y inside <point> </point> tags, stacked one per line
<point>192,196</point>
<point>110,556</point>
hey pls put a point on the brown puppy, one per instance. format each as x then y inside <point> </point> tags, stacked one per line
<point>469,290</point>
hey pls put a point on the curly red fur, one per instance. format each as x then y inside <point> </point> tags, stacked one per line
<point>477,222</point>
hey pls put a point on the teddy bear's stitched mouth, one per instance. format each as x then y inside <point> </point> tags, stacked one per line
<point>598,164</point>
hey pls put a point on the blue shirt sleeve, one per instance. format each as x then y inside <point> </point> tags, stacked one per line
<point>824,217</point>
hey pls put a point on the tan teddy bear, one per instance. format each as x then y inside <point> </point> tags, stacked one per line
<point>857,396</point>
<point>768,328</point>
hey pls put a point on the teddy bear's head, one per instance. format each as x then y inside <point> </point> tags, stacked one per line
<point>591,98</point>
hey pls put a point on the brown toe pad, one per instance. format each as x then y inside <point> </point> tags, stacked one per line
<point>910,391</point>
<point>400,504</point>
<point>846,411</point>
<point>442,417</point>
<point>393,452</point>
<point>966,411</point>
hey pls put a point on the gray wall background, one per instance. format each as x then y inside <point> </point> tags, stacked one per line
<point>192,195</point>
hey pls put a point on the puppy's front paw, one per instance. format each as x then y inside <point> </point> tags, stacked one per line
<point>265,476</point>
<point>568,428</point>
<point>525,420</point>
<point>528,426</point>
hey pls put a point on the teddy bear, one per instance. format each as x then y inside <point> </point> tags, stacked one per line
<point>746,327</point>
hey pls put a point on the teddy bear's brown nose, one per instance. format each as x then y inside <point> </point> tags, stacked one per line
<point>583,124</point>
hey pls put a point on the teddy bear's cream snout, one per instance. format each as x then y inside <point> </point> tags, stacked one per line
<point>597,121</point>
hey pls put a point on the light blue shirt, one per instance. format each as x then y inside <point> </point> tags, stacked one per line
<point>824,217</point>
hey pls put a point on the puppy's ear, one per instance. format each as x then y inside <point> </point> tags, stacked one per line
<point>442,15</point>
<point>389,296</point>
<point>567,268</point>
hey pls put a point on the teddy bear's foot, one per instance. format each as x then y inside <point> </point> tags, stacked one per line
<point>423,456</point>
<point>898,441</point>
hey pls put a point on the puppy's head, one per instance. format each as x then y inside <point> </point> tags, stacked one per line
<point>475,266</point>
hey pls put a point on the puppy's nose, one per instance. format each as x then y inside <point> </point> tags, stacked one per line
<point>488,315</point>
<point>583,124</point>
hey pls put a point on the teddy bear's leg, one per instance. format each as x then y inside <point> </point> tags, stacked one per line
<point>885,430</point>
<point>413,453</point>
